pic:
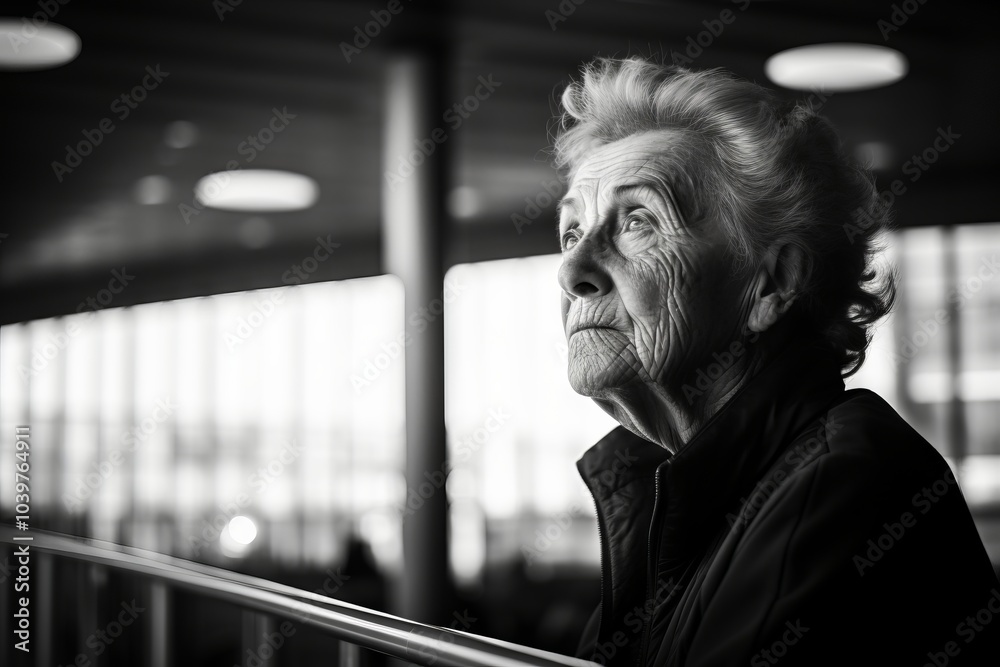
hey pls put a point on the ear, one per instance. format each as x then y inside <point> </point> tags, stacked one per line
<point>775,285</point>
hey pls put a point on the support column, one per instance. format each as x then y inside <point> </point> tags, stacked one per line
<point>413,185</point>
<point>955,416</point>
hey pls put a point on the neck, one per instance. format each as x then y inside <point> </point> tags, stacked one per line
<point>671,415</point>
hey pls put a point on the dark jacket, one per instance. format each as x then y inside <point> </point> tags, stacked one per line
<point>803,525</point>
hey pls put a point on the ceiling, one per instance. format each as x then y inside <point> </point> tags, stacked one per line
<point>225,77</point>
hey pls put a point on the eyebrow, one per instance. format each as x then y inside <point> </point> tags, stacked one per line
<point>659,188</point>
<point>628,188</point>
<point>564,202</point>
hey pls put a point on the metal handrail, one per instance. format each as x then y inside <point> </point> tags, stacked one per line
<point>370,629</point>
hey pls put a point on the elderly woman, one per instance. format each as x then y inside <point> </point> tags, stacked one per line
<point>718,286</point>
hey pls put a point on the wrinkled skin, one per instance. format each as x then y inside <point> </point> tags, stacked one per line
<point>661,290</point>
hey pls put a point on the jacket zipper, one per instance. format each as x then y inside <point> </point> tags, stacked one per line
<point>652,556</point>
<point>605,581</point>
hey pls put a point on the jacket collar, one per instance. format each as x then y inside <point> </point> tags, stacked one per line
<point>693,488</point>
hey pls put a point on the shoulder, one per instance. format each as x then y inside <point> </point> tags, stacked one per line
<point>867,484</point>
<point>863,424</point>
<point>862,449</point>
<point>840,532</point>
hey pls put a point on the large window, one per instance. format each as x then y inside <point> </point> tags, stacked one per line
<point>156,425</point>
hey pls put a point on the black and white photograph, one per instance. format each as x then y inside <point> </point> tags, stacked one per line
<point>535,333</point>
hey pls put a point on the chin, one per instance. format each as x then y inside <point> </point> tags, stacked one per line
<point>595,370</point>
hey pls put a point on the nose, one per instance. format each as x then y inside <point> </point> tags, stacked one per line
<point>581,274</point>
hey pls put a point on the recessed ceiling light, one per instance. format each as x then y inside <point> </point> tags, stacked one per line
<point>181,134</point>
<point>151,190</point>
<point>25,46</point>
<point>836,67</point>
<point>257,190</point>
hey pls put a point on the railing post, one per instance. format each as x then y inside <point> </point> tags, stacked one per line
<point>256,627</point>
<point>159,626</point>
<point>45,599</point>
<point>349,654</point>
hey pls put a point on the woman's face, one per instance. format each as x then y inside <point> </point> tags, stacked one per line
<point>647,296</point>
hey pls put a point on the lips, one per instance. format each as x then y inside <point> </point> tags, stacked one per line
<point>584,327</point>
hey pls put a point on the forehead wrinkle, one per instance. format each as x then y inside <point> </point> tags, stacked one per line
<point>595,192</point>
<point>583,189</point>
<point>623,161</point>
<point>658,176</point>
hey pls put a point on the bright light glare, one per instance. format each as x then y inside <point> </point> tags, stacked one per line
<point>242,530</point>
<point>25,46</point>
<point>257,190</point>
<point>836,67</point>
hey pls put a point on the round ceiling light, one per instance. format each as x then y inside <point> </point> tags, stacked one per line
<point>257,190</point>
<point>26,46</point>
<point>836,67</point>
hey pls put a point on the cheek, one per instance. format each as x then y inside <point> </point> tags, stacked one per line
<point>647,295</point>
<point>648,300</point>
<point>654,287</point>
<point>664,294</point>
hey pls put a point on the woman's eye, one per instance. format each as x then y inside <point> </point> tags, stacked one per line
<point>636,222</point>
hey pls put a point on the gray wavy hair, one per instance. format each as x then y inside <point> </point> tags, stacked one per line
<point>770,172</point>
